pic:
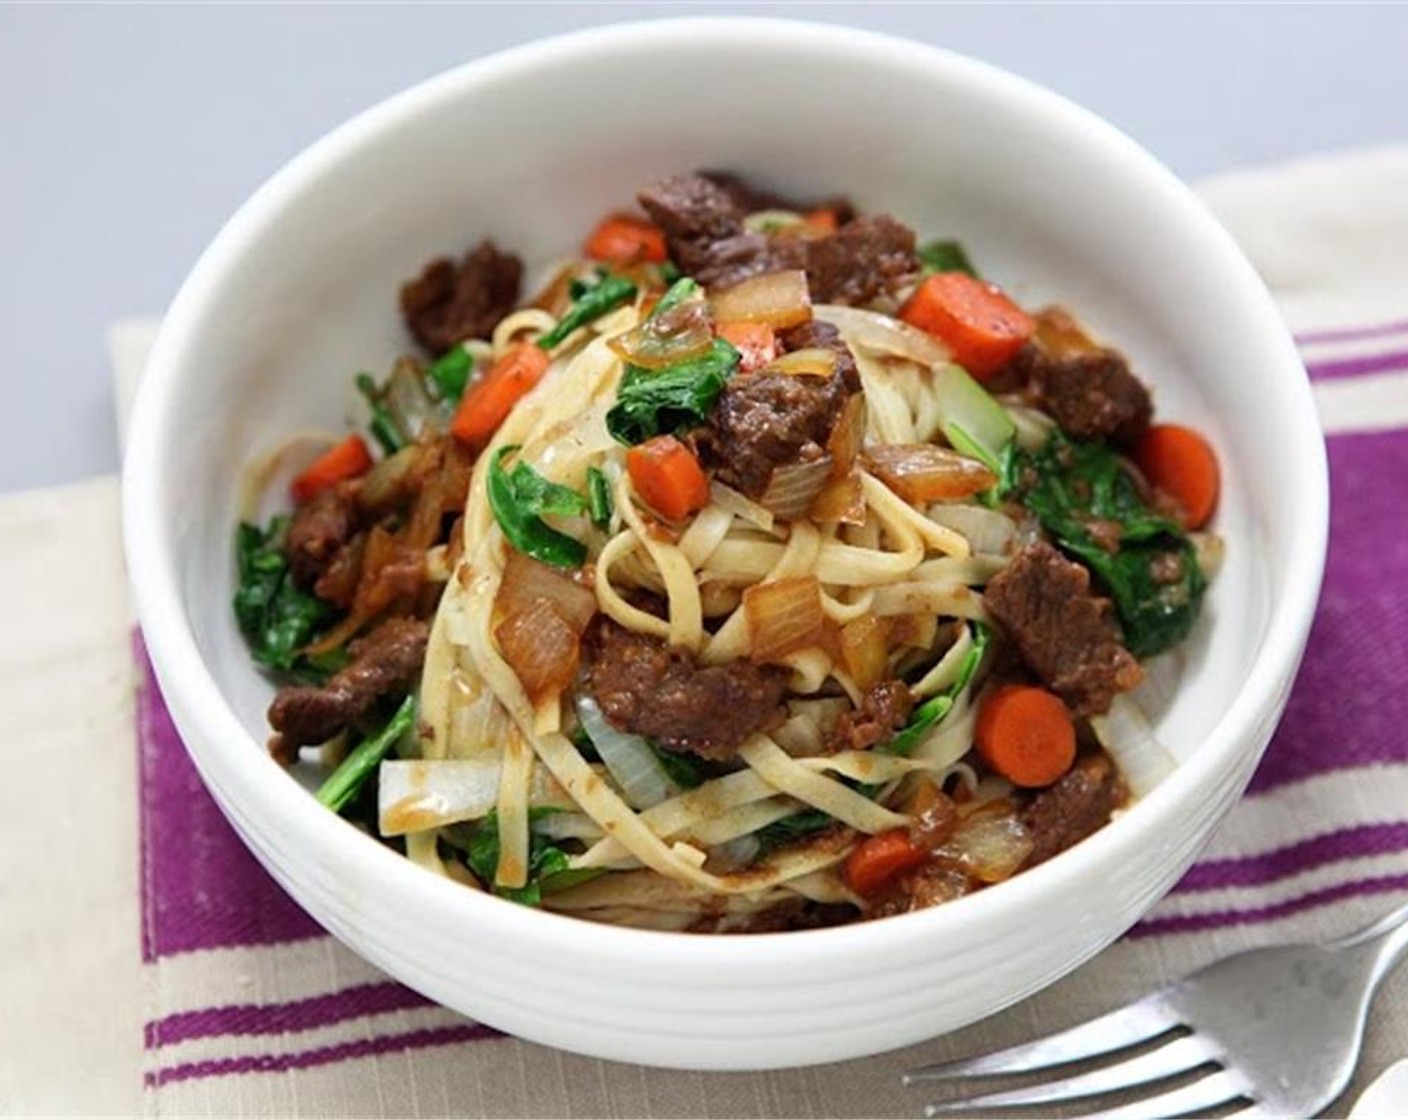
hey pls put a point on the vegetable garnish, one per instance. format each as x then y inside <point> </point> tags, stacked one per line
<point>483,407</point>
<point>548,869</point>
<point>654,402</point>
<point>929,713</point>
<point>599,504</point>
<point>450,372</point>
<point>789,829</point>
<point>881,858</point>
<point>348,459</point>
<point>1181,463</point>
<point>344,782</point>
<point>756,343</point>
<point>277,618</point>
<point>1026,735</point>
<point>519,500</point>
<point>623,239</point>
<point>971,419</point>
<point>945,256</point>
<point>981,326</point>
<point>383,425</point>
<point>1151,573</point>
<point>668,477</point>
<point>594,301</point>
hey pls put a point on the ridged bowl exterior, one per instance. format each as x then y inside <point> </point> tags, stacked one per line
<point>297,292</point>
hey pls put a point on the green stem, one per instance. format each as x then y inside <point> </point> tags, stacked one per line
<point>344,782</point>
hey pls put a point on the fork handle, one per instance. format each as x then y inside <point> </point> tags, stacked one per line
<point>1386,942</point>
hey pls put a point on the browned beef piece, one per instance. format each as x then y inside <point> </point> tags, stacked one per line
<point>387,659</point>
<point>1094,396</point>
<point>750,198</point>
<point>1074,807</point>
<point>647,688</point>
<point>448,304</point>
<point>816,334</point>
<point>883,710</point>
<point>767,420</point>
<point>703,224</point>
<point>318,532</point>
<point>1066,635</point>
<point>866,258</point>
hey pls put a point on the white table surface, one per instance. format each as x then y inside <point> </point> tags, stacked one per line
<point>128,135</point>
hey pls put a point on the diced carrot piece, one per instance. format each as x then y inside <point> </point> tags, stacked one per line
<point>348,459</point>
<point>1182,464</point>
<point>881,858</point>
<point>668,477</point>
<point>980,325</point>
<point>822,219</point>
<point>623,239</point>
<point>756,343</point>
<point>488,401</point>
<point>1026,735</point>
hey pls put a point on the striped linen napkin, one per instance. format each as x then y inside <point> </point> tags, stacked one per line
<point>248,1008</point>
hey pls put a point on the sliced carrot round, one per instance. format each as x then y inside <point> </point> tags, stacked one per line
<point>1026,735</point>
<point>1181,463</point>
<point>668,477</point>
<point>982,328</point>
<point>345,460</point>
<point>881,858</point>
<point>623,239</point>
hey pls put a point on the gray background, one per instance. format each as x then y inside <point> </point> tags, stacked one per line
<point>128,135</point>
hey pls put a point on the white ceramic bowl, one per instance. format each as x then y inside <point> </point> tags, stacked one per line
<point>531,146</point>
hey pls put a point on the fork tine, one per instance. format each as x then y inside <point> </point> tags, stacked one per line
<point>1208,1092</point>
<point>1178,1056</point>
<point>1124,1027</point>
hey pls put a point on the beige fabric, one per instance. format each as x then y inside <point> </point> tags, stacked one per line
<point>74,993</point>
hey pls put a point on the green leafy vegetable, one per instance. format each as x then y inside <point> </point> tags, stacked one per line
<point>383,425</point>
<point>599,503</point>
<point>519,500</point>
<point>679,768</point>
<point>589,303</point>
<point>935,708</point>
<point>972,419</point>
<point>653,402</point>
<point>1153,576</point>
<point>790,829</point>
<point>945,256</point>
<point>450,372</point>
<point>277,618</point>
<point>359,765</point>
<point>679,291</point>
<point>548,869</point>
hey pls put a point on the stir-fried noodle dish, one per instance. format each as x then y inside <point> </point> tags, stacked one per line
<point>765,570</point>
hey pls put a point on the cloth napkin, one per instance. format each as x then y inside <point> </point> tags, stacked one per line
<point>156,968</point>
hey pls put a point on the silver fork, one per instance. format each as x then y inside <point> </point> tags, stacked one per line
<point>1275,1031</point>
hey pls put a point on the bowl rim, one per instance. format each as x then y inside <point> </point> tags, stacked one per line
<point>197,702</point>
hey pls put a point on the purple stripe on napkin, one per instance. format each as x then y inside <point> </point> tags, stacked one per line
<point>275,1018</point>
<point>1255,915</point>
<point>1352,334</point>
<point>323,1055</point>
<point>1349,706</point>
<point>201,887</point>
<point>1356,842</point>
<point>1330,368</point>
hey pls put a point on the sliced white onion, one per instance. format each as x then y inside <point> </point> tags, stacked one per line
<point>814,362</point>
<point>1033,426</point>
<point>726,497</point>
<point>783,616</point>
<point>569,826</point>
<point>881,334</point>
<point>407,398</point>
<point>414,795</point>
<point>1210,550</point>
<point>986,530</point>
<point>779,299</point>
<point>631,760</point>
<point>1160,685</point>
<point>736,854</point>
<point>1130,741</point>
<point>791,489</point>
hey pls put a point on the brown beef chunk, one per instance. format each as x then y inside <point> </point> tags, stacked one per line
<point>1094,396</point>
<point>646,688</point>
<point>448,304</point>
<point>1074,807</point>
<point>866,258</point>
<point>703,224</point>
<point>763,421</point>
<point>318,532</point>
<point>387,659</point>
<point>1065,634</point>
<point>749,198</point>
<point>884,709</point>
